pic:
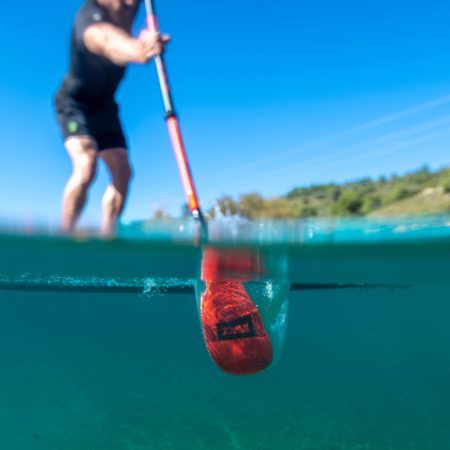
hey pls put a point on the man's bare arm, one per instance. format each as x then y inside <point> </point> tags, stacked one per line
<point>119,47</point>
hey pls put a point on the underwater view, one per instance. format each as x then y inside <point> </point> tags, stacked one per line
<point>102,347</point>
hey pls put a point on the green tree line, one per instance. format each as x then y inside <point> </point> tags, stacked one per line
<point>362,197</point>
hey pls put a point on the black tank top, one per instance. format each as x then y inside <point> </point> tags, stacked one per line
<point>93,79</point>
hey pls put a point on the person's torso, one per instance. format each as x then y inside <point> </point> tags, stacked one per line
<point>93,78</point>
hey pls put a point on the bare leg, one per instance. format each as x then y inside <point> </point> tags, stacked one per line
<point>116,193</point>
<point>83,153</point>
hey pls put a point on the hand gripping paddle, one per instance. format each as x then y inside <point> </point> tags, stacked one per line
<point>232,326</point>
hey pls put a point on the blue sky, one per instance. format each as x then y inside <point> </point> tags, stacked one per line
<point>271,96</point>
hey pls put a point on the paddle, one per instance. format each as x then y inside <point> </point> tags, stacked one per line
<point>232,326</point>
<point>174,129</point>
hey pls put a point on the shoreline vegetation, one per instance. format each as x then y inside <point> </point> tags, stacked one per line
<point>418,192</point>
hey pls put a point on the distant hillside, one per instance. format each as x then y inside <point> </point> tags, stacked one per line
<point>429,201</point>
<point>418,192</point>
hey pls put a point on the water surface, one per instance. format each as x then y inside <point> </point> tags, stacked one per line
<point>101,346</point>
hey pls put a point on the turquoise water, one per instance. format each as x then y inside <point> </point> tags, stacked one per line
<point>101,346</point>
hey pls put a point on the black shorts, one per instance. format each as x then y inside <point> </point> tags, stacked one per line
<point>102,123</point>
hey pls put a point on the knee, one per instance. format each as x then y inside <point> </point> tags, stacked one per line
<point>123,177</point>
<point>84,159</point>
<point>85,172</point>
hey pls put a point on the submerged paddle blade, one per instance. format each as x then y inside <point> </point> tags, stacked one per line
<point>233,329</point>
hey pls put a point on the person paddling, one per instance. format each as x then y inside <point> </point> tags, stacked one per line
<point>85,105</point>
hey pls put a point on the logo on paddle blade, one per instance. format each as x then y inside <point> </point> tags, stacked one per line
<point>236,329</point>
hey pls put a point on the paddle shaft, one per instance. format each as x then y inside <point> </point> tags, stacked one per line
<point>174,128</point>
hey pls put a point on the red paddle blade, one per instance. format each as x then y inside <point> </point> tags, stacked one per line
<point>234,264</point>
<point>233,329</point>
